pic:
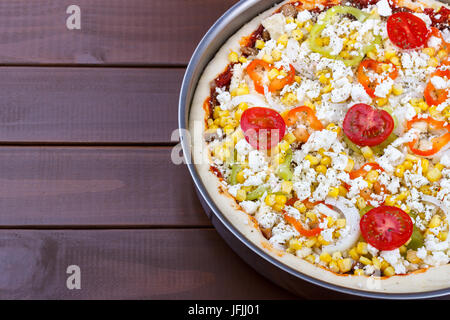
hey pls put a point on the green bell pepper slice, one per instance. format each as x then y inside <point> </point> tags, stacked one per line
<point>284,170</point>
<point>257,193</point>
<point>417,239</point>
<point>235,168</point>
<point>326,50</point>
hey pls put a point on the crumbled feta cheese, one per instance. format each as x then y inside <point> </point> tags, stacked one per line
<point>256,160</point>
<point>439,83</point>
<point>391,157</point>
<point>359,94</point>
<point>249,206</point>
<point>304,16</point>
<point>384,9</point>
<point>384,88</point>
<point>243,147</point>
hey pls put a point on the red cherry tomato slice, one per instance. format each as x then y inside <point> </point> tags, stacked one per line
<point>367,126</point>
<point>406,30</point>
<point>263,127</point>
<point>386,227</point>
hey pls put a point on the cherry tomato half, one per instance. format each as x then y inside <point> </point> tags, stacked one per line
<point>386,227</point>
<point>406,30</point>
<point>263,127</point>
<point>367,126</point>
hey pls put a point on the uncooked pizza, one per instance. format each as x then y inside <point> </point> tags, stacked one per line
<point>326,125</point>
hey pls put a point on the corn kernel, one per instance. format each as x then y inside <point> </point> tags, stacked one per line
<point>278,207</point>
<point>429,51</point>
<point>434,174</point>
<point>423,105</point>
<point>345,265</point>
<point>389,271</point>
<point>325,257</point>
<point>300,206</point>
<point>395,61</point>
<point>286,187</point>
<point>402,250</point>
<point>439,166</point>
<point>435,221</point>
<point>367,152</point>
<point>372,55</point>
<point>283,40</point>
<point>424,163</point>
<point>326,89</point>
<point>321,169</point>
<point>372,176</point>
<point>259,44</point>
<point>267,58</point>
<point>376,263</point>
<point>297,34</point>
<point>310,242</point>
<point>326,161</point>
<point>240,177</point>
<point>333,127</point>
<point>399,171</point>
<point>273,73</point>
<point>243,106</point>
<point>361,248</point>
<point>340,223</point>
<point>310,258</point>
<point>412,257</point>
<point>442,54</point>
<point>294,244</point>
<point>384,264</point>
<point>359,272</point>
<point>433,62</point>
<point>333,266</point>
<point>382,101</point>
<point>233,57</point>
<point>350,165</point>
<point>323,79</point>
<point>322,241</point>
<point>397,89</point>
<point>365,261</point>
<point>241,195</point>
<point>289,98</point>
<point>333,192</point>
<point>270,200</point>
<point>342,191</point>
<point>276,55</point>
<point>311,216</point>
<point>312,160</point>
<point>389,54</point>
<point>242,59</point>
<point>425,190</point>
<point>280,199</point>
<point>390,201</point>
<point>298,79</point>
<point>353,254</point>
<point>337,255</point>
<point>361,203</point>
<point>442,235</point>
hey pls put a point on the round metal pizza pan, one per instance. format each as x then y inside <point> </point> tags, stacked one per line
<point>277,272</point>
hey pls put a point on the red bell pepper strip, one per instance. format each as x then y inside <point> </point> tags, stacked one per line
<point>276,84</point>
<point>437,143</point>
<point>362,172</point>
<point>376,66</point>
<point>434,96</point>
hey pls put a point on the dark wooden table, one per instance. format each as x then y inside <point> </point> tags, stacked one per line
<point>86,119</point>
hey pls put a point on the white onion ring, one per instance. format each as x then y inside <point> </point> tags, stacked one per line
<point>271,102</point>
<point>352,217</point>
<point>254,99</point>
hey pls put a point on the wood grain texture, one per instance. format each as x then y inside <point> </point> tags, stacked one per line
<point>88,105</point>
<point>96,187</point>
<point>127,264</point>
<point>139,32</point>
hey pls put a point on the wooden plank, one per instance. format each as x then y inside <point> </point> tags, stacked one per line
<point>109,186</point>
<point>88,105</point>
<point>157,32</point>
<point>127,264</point>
